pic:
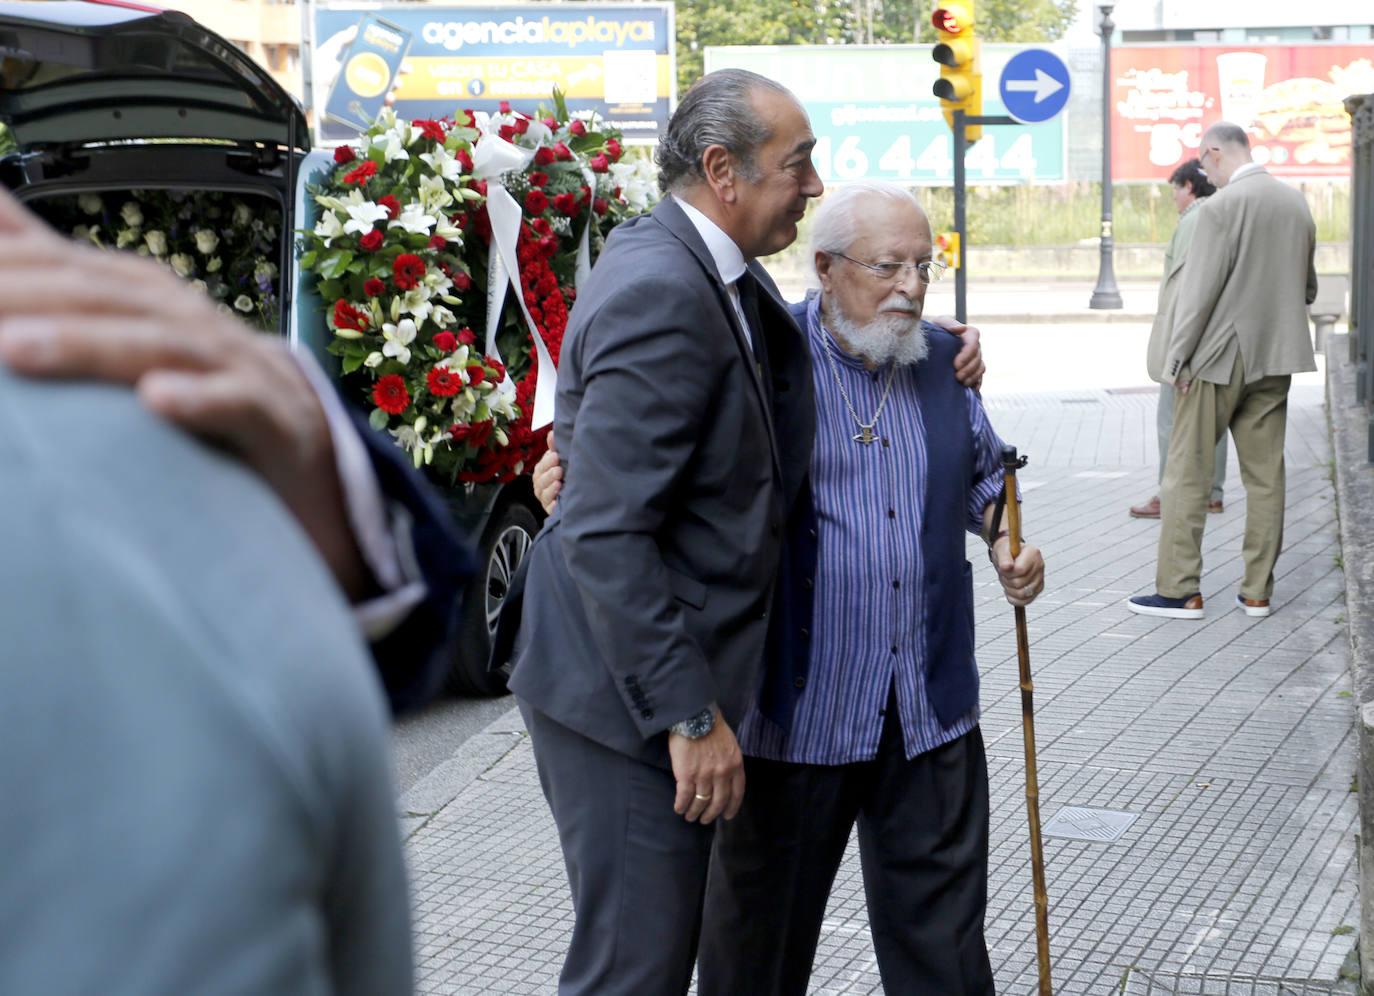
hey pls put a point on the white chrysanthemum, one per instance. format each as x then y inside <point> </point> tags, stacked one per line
<point>398,339</point>
<point>132,214</point>
<point>206,241</point>
<point>414,220</point>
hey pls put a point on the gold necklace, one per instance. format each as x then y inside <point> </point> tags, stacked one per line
<point>865,436</point>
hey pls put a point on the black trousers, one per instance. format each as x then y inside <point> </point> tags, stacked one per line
<point>923,841</point>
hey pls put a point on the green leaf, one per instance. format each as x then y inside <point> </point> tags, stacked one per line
<point>560,105</point>
<point>351,363</point>
<point>336,265</point>
<point>378,419</point>
<point>308,260</point>
<point>330,291</point>
<point>591,140</point>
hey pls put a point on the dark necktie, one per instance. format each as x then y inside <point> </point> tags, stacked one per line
<point>748,288</point>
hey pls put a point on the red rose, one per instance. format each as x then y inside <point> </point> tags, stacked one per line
<point>565,204</point>
<point>437,242</point>
<point>466,337</point>
<point>348,317</point>
<point>464,160</point>
<point>506,132</point>
<point>544,155</point>
<point>360,175</point>
<point>409,270</point>
<point>521,125</point>
<point>446,341</point>
<point>599,164</point>
<point>613,149</point>
<point>538,179</point>
<point>373,287</point>
<point>505,106</point>
<point>548,246</point>
<point>541,226</point>
<point>560,150</point>
<point>390,394</point>
<point>372,241</point>
<point>498,368</point>
<point>536,202</point>
<point>600,206</point>
<point>392,205</point>
<point>480,186</point>
<point>550,122</point>
<point>460,221</point>
<point>432,130</point>
<point>344,154</point>
<point>462,281</point>
<point>476,374</point>
<point>577,127</point>
<point>444,382</point>
<point>475,434</point>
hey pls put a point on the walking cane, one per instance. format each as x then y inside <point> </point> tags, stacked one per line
<point>1010,463</point>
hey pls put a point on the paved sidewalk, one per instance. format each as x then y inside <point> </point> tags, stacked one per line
<point>1231,740</point>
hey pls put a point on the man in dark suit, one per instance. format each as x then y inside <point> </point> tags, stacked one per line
<point>685,415</point>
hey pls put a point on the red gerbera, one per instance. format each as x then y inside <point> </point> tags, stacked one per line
<point>392,205</point>
<point>367,168</point>
<point>344,154</point>
<point>444,382</point>
<point>408,270</point>
<point>390,394</point>
<point>372,241</point>
<point>348,317</point>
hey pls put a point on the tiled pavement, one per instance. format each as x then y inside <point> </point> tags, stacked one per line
<point>1231,739</point>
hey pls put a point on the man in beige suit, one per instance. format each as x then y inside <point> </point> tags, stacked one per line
<point>1240,332</point>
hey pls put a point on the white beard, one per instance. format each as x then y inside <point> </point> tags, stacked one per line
<point>889,336</point>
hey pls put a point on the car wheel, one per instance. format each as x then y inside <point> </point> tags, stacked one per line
<point>505,542</point>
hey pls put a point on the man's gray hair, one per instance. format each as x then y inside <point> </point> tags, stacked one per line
<point>1228,134</point>
<point>717,110</point>
<point>832,226</point>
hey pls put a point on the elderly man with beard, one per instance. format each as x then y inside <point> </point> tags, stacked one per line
<point>881,722</point>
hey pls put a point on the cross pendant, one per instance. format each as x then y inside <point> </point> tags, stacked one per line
<point>865,436</point>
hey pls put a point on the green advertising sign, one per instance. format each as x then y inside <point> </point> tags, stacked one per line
<point>875,117</point>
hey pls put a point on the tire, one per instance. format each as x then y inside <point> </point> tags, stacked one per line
<point>505,542</point>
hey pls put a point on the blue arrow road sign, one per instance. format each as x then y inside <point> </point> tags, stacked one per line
<point>1034,86</point>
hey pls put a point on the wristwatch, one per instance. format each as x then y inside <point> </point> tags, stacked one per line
<point>697,726</point>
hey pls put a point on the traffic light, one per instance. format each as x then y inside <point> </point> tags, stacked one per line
<point>948,245</point>
<point>960,86</point>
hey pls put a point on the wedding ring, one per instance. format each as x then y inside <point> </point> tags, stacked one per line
<point>703,798</point>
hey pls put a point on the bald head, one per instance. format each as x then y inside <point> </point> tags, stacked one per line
<point>1225,148</point>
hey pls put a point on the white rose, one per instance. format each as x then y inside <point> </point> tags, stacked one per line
<point>132,214</point>
<point>182,265</point>
<point>126,238</point>
<point>243,303</point>
<point>199,285</point>
<point>214,264</point>
<point>90,203</point>
<point>206,241</point>
<point>156,242</point>
<point>242,216</point>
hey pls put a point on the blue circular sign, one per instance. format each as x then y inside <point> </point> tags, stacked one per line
<point>1034,85</point>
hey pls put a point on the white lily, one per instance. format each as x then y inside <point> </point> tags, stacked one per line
<point>442,316</point>
<point>398,338</point>
<point>416,303</point>
<point>329,227</point>
<point>332,203</point>
<point>392,146</point>
<point>373,359</point>
<point>433,193</point>
<point>361,217</point>
<point>414,220</point>
<point>442,163</point>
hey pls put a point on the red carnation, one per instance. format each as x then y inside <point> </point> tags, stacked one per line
<point>538,179</point>
<point>560,150</point>
<point>437,242</point>
<point>432,130</point>
<point>390,394</point>
<point>577,127</point>
<point>409,270</point>
<point>466,337</point>
<point>536,202</point>
<point>464,160</point>
<point>392,205</point>
<point>522,125</point>
<point>599,164</point>
<point>565,204</point>
<point>348,317</point>
<point>444,382</point>
<point>446,341</point>
<point>613,149</point>
<point>505,106</point>
<point>367,168</point>
<point>600,206</point>
<point>462,281</point>
<point>344,154</point>
<point>544,155</point>
<point>372,241</point>
<point>476,374</point>
<point>373,287</point>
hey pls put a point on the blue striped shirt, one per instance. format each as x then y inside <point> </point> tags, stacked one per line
<point>869,587</point>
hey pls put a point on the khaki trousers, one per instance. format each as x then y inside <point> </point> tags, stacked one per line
<point>1257,415</point>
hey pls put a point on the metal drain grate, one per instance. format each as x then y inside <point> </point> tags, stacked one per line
<point>1101,825</point>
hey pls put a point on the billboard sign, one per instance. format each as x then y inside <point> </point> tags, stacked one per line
<point>1287,98</point>
<point>614,59</point>
<point>875,117</point>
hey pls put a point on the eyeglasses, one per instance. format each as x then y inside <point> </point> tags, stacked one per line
<point>928,270</point>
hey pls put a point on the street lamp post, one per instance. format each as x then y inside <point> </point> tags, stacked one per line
<point>1105,294</point>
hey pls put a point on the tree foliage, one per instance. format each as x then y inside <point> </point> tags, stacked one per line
<point>701,23</point>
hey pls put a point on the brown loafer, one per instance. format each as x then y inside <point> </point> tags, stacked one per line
<point>1258,607</point>
<point>1149,510</point>
<point>1215,507</point>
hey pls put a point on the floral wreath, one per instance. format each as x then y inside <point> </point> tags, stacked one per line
<point>410,250</point>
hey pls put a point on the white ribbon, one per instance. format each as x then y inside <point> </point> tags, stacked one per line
<point>493,156</point>
<point>584,247</point>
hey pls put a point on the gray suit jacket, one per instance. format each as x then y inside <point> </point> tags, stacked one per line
<point>1249,278</point>
<point>1175,255</point>
<point>193,743</point>
<point>648,589</point>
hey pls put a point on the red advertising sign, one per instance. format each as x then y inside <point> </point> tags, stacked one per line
<point>1287,97</point>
